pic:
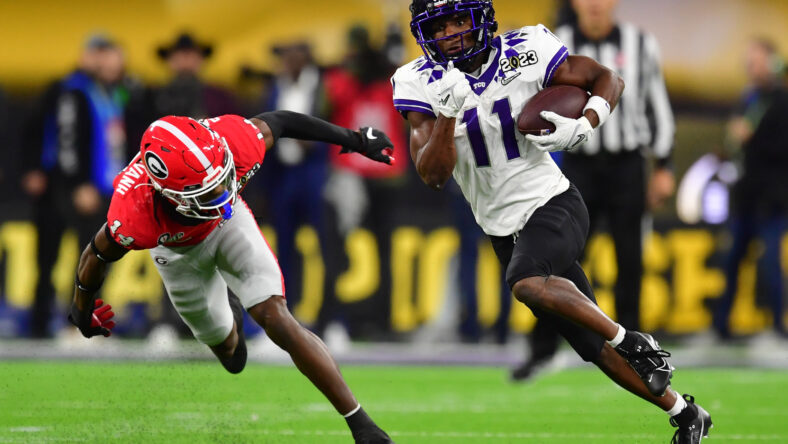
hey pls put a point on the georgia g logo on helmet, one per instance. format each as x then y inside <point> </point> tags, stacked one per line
<point>191,165</point>
<point>156,166</point>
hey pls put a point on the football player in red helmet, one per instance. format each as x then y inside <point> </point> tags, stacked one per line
<point>199,182</point>
<point>180,199</point>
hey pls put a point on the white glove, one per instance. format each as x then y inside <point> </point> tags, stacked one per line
<point>451,91</point>
<point>569,133</point>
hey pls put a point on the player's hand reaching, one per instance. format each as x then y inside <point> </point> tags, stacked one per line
<point>451,91</point>
<point>92,321</point>
<point>375,145</point>
<point>568,136</point>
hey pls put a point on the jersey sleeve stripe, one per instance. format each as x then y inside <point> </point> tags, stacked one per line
<point>558,58</point>
<point>411,102</point>
<point>406,108</point>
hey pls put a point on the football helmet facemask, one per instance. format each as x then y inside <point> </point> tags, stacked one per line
<point>424,14</point>
<point>191,165</point>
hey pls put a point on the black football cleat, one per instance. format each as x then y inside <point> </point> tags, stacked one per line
<point>371,435</point>
<point>238,361</point>
<point>642,352</point>
<point>693,423</point>
<point>530,369</point>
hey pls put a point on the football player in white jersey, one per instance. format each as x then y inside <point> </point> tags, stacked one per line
<point>462,99</point>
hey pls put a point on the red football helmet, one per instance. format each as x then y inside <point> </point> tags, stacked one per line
<point>187,162</point>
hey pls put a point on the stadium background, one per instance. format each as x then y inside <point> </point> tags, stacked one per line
<point>702,60</point>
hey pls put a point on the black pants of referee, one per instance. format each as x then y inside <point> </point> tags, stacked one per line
<point>613,187</point>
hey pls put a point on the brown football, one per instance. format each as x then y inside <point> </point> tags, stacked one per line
<point>565,100</point>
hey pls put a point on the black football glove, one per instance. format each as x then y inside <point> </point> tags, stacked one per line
<point>97,320</point>
<point>375,145</point>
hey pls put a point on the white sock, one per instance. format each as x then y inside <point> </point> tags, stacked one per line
<point>619,337</point>
<point>678,406</point>
<point>348,415</point>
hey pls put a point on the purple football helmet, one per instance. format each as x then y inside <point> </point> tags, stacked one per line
<point>483,26</point>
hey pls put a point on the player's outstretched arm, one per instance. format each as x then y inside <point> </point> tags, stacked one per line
<point>432,147</point>
<point>369,142</point>
<point>588,74</point>
<point>89,314</point>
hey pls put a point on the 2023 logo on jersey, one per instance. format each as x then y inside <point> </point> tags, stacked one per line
<point>519,60</point>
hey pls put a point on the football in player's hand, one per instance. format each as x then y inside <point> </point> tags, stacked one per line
<point>565,100</point>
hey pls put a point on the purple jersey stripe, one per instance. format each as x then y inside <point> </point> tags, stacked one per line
<point>558,58</point>
<point>404,109</point>
<point>412,102</point>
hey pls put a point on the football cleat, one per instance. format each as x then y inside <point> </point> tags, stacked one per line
<point>693,423</point>
<point>238,360</point>
<point>371,435</point>
<point>643,354</point>
<point>530,369</point>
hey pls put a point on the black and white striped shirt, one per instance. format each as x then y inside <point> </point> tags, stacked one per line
<point>643,117</point>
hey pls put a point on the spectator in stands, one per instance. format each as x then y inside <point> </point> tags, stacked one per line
<point>5,148</point>
<point>359,192</point>
<point>76,144</point>
<point>470,239</point>
<point>186,94</point>
<point>295,173</point>
<point>759,206</point>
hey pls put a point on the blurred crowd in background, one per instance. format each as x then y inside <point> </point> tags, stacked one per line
<point>366,246</point>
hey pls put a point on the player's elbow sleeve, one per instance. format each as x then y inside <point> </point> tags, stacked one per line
<point>275,120</point>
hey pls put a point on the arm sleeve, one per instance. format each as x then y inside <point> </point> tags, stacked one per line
<point>304,127</point>
<point>663,125</point>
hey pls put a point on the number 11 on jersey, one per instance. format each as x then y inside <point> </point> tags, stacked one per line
<point>470,118</point>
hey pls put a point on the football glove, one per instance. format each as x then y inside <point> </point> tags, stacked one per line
<point>375,145</point>
<point>451,91</point>
<point>95,321</point>
<point>568,136</point>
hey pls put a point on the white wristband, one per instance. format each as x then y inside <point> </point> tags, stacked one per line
<point>353,412</point>
<point>600,107</point>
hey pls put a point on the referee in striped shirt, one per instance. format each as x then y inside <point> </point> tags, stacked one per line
<point>610,170</point>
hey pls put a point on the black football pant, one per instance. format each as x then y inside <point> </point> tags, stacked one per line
<point>613,187</point>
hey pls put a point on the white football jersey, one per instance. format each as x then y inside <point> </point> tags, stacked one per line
<point>503,176</point>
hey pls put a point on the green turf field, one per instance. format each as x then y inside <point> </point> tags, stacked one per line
<point>197,402</point>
